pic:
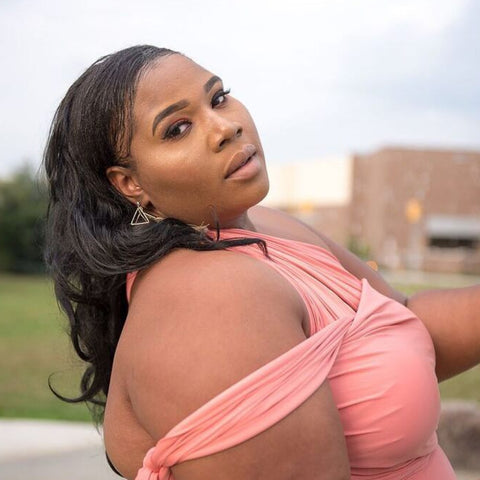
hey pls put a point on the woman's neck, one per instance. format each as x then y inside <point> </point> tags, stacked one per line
<point>242,222</point>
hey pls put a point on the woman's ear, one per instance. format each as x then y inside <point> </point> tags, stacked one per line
<point>123,179</point>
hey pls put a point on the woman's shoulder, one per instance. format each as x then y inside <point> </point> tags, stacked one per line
<point>275,222</point>
<point>281,224</point>
<point>185,271</point>
<point>208,305</point>
<point>209,280</point>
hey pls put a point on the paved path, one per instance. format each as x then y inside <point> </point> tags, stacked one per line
<point>80,464</point>
<point>47,450</point>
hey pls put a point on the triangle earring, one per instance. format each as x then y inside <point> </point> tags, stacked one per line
<point>139,217</point>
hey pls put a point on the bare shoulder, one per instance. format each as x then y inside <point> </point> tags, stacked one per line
<point>281,224</point>
<point>212,306</point>
<point>206,280</point>
<point>198,323</point>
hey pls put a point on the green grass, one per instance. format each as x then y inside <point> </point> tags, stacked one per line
<point>34,345</point>
<point>465,386</point>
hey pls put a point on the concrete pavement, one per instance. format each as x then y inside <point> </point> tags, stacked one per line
<point>24,438</point>
<point>50,450</point>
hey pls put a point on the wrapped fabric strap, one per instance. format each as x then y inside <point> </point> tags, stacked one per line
<point>250,406</point>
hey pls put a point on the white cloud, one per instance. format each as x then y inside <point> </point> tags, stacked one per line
<point>319,77</point>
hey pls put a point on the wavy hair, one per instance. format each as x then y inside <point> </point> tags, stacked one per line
<point>90,244</point>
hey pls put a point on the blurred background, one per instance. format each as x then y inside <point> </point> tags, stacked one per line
<point>369,114</point>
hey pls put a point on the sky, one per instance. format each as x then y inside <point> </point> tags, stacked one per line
<point>320,78</point>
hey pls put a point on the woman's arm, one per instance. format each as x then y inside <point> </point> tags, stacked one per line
<point>453,319</point>
<point>201,321</point>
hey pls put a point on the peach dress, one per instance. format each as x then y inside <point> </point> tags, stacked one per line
<point>376,354</point>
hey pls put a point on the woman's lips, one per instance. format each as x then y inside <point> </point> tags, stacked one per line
<point>240,158</point>
<point>248,170</point>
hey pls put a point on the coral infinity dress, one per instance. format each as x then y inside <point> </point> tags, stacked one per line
<point>376,354</point>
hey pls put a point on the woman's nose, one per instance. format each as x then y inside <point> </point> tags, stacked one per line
<point>223,131</point>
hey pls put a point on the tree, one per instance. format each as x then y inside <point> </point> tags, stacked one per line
<point>23,206</point>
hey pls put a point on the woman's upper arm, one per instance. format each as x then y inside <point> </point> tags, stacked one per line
<point>199,323</point>
<point>453,321</point>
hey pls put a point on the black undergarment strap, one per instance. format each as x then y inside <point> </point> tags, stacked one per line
<point>112,466</point>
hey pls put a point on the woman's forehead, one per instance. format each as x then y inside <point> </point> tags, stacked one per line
<point>169,78</point>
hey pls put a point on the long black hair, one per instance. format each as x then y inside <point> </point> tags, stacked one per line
<point>90,244</point>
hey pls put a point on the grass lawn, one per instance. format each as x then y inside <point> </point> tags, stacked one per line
<point>33,345</point>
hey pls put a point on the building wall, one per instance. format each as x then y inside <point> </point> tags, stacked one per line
<point>441,183</point>
<point>362,201</point>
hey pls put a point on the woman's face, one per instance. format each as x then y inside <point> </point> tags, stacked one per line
<point>193,146</point>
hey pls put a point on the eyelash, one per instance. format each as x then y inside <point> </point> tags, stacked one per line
<point>221,93</point>
<point>170,135</point>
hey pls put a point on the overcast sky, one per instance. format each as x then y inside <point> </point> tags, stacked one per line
<point>320,78</point>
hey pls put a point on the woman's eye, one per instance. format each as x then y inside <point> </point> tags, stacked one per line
<point>220,97</point>
<point>177,129</point>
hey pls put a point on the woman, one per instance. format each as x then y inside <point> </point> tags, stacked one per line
<point>229,340</point>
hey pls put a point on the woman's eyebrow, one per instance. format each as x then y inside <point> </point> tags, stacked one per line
<point>211,82</point>
<point>168,111</point>
<point>175,107</point>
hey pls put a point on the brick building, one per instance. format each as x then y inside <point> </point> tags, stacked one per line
<point>404,208</point>
<point>418,208</point>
